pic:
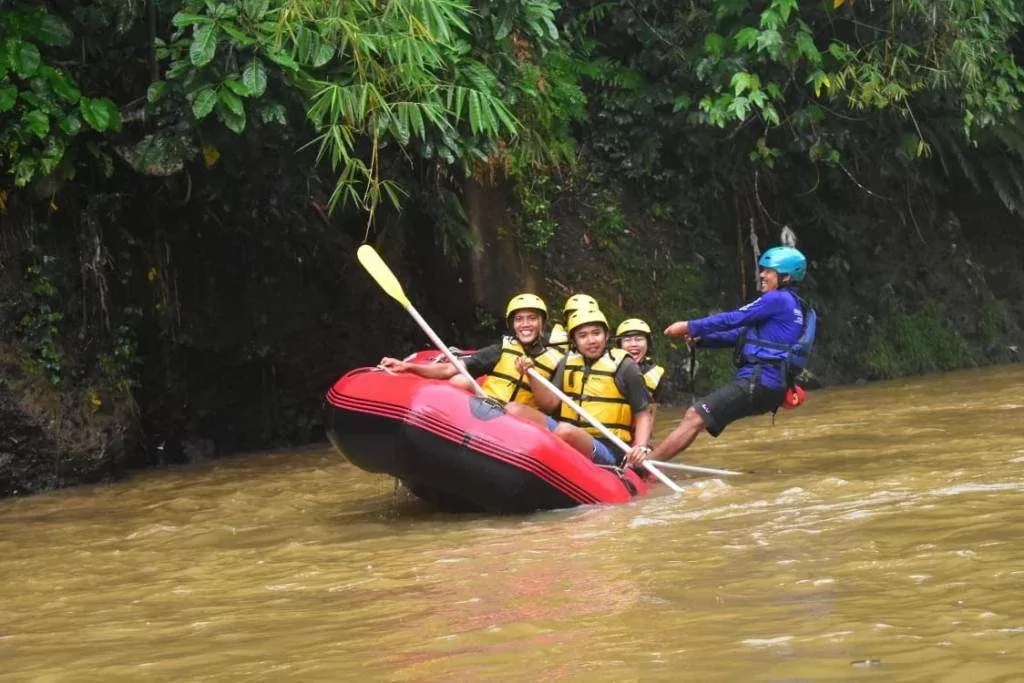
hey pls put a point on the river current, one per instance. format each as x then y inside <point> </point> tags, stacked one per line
<point>878,538</point>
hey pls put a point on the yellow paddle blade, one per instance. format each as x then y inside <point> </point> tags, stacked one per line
<point>380,272</point>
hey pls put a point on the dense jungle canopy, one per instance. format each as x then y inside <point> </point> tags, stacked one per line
<point>183,184</point>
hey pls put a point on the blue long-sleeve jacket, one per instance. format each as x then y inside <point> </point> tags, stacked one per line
<point>776,315</point>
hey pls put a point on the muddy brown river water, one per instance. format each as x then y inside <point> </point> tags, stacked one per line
<point>878,538</point>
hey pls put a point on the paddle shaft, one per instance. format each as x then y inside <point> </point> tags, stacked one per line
<point>601,428</point>
<point>445,350</point>
<point>386,280</point>
<point>619,442</point>
<point>693,468</point>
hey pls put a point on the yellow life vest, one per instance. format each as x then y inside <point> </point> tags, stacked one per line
<point>652,376</point>
<point>558,338</point>
<point>593,388</point>
<point>504,382</point>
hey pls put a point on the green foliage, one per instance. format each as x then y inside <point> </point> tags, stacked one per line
<point>40,324</point>
<point>914,343</point>
<point>42,108</point>
<point>538,225</point>
<point>384,82</point>
<point>801,84</point>
<point>119,367</point>
<point>218,59</point>
<point>375,74</point>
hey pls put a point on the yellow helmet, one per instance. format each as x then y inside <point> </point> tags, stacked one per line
<point>558,336</point>
<point>525,301</point>
<point>585,316</point>
<point>634,326</point>
<point>578,302</point>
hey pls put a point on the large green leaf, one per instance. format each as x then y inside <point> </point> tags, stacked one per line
<point>156,91</point>
<point>282,59</point>
<point>234,120</point>
<point>236,86</point>
<point>70,124</point>
<point>8,96</point>
<point>53,31</point>
<point>233,102</point>
<point>203,102</point>
<point>101,114</point>
<point>241,38</point>
<point>204,45</point>
<point>321,54</point>
<point>273,113</point>
<point>24,58</point>
<point>62,85</point>
<point>38,123</point>
<point>255,77</point>
<point>183,19</point>
<point>255,8</point>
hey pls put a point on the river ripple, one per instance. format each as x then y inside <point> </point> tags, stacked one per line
<point>877,539</point>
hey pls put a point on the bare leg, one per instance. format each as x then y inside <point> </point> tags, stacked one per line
<point>575,437</point>
<point>571,434</point>
<point>461,382</point>
<point>527,413</point>
<point>679,438</point>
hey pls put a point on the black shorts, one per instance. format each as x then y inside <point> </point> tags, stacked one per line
<point>739,398</point>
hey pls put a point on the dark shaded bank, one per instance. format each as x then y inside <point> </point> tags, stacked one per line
<point>48,439</point>
<point>182,345</point>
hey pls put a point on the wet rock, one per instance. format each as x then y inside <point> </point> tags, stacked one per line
<point>51,437</point>
<point>198,449</point>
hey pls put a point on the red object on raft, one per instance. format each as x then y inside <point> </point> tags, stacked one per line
<point>462,452</point>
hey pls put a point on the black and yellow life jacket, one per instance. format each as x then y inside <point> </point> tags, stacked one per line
<point>593,388</point>
<point>504,382</point>
<point>652,373</point>
<point>558,338</point>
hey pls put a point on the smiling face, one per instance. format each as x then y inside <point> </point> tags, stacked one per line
<point>769,280</point>
<point>591,340</point>
<point>635,345</point>
<point>527,324</point>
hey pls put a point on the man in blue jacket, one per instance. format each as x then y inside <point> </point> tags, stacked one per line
<point>772,337</point>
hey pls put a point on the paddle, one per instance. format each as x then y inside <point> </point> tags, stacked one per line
<point>601,428</point>
<point>619,442</point>
<point>380,272</point>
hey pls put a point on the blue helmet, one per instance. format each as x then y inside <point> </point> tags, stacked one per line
<point>785,261</point>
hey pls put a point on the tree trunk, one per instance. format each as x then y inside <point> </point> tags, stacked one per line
<point>497,266</point>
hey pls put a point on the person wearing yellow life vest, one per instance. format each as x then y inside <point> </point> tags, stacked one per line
<point>634,337</point>
<point>559,338</point>
<point>524,316</point>
<point>605,382</point>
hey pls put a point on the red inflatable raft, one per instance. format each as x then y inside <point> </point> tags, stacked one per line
<point>462,452</point>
